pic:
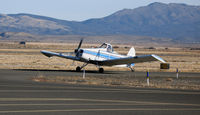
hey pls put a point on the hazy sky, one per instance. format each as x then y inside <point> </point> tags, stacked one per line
<point>77,10</point>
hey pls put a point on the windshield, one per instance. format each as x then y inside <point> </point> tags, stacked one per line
<point>108,46</point>
<point>109,49</point>
<point>103,45</point>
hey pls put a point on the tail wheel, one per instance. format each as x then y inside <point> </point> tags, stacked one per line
<point>101,70</point>
<point>78,69</point>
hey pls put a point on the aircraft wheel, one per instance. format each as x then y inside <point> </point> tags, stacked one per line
<point>78,69</point>
<point>101,70</point>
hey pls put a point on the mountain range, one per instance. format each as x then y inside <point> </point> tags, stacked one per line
<point>180,22</point>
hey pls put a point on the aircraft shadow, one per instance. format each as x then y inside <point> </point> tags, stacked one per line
<point>87,71</point>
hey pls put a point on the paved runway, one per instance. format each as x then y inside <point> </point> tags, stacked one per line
<point>19,95</point>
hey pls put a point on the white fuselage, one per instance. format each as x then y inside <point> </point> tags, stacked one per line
<point>101,54</point>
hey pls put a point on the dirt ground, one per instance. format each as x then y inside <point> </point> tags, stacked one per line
<point>16,56</point>
<point>128,80</point>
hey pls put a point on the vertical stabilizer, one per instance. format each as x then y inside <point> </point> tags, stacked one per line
<point>131,52</point>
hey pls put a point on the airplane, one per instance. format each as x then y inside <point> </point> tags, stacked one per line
<point>104,56</point>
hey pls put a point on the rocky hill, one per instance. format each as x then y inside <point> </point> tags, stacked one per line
<point>178,21</point>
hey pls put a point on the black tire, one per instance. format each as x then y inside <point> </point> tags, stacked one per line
<point>101,70</point>
<point>78,69</point>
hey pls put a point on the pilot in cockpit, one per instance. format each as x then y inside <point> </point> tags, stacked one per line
<point>107,46</point>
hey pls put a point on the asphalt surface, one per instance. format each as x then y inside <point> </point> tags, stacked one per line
<point>20,96</point>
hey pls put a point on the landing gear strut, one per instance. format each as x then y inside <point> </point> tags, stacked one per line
<point>132,69</point>
<point>101,70</point>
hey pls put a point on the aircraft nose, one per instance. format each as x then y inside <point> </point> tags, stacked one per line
<point>81,51</point>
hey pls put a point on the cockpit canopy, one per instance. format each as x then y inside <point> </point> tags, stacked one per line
<point>107,46</point>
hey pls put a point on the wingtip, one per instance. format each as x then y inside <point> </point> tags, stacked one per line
<point>158,58</point>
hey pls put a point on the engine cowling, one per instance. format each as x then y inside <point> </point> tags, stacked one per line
<point>78,52</point>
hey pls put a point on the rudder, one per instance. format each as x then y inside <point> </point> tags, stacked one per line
<point>131,52</point>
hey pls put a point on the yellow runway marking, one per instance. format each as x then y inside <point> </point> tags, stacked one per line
<point>88,110</point>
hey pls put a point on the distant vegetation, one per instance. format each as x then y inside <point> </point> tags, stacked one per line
<point>194,48</point>
<point>151,48</point>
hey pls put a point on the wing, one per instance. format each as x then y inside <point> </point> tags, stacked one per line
<point>130,60</point>
<point>68,55</point>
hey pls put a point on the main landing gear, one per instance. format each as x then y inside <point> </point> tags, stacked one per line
<point>101,70</point>
<point>132,69</point>
<point>78,68</point>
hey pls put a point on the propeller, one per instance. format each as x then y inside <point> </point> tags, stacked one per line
<point>76,51</point>
<point>80,43</point>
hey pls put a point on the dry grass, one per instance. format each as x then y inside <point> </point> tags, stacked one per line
<point>14,56</point>
<point>127,81</point>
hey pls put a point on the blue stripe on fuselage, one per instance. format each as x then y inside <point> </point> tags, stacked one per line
<point>101,55</point>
